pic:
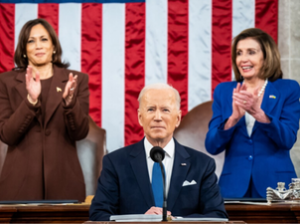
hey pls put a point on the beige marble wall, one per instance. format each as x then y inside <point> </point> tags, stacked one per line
<point>289,47</point>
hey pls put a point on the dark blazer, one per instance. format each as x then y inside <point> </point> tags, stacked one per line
<point>265,155</point>
<point>41,161</point>
<point>124,186</point>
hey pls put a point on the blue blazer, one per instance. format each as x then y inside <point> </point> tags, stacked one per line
<point>124,186</point>
<point>265,155</point>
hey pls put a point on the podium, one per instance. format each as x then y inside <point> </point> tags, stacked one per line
<point>44,213</point>
<point>274,213</point>
<point>170,222</point>
<point>79,213</point>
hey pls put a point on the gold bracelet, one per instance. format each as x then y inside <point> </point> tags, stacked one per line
<point>31,101</point>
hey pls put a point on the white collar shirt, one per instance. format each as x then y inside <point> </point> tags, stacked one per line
<point>250,120</point>
<point>168,160</point>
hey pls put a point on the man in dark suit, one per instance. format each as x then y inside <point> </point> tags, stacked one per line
<point>124,186</point>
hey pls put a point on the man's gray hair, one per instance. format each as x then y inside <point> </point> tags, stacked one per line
<point>160,86</point>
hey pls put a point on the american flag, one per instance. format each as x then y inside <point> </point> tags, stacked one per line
<point>126,44</point>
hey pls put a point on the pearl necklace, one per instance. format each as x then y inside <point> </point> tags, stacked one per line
<point>262,88</point>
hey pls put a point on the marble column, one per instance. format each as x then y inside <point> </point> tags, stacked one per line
<point>289,47</point>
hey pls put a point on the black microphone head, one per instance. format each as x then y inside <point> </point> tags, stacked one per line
<point>157,154</point>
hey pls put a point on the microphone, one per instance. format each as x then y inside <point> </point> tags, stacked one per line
<point>157,154</point>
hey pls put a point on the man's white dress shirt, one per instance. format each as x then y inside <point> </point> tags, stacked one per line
<point>168,160</point>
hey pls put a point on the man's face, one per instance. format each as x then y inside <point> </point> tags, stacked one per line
<point>159,115</point>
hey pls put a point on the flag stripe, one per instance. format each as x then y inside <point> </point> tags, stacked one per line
<point>91,44</point>
<point>70,1</point>
<point>31,12</point>
<point>134,68</point>
<point>266,12</point>
<point>70,34</point>
<point>113,79</point>
<point>7,33</point>
<point>123,46</point>
<point>49,12</point>
<point>178,49</point>
<point>156,42</point>
<point>243,16</point>
<point>221,41</point>
<point>199,88</point>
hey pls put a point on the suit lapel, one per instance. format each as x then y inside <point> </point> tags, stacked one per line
<point>60,77</point>
<point>181,167</point>
<point>270,99</point>
<point>21,88</point>
<point>139,166</point>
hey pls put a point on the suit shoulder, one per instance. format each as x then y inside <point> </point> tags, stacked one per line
<point>9,78</point>
<point>280,83</point>
<point>121,153</point>
<point>78,73</point>
<point>66,72</point>
<point>225,86</point>
<point>287,87</point>
<point>197,154</point>
<point>9,74</point>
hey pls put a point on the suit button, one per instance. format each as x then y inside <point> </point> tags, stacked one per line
<point>250,157</point>
<point>250,141</point>
<point>47,132</point>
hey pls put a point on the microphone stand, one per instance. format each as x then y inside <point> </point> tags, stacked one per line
<point>157,155</point>
<point>164,216</point>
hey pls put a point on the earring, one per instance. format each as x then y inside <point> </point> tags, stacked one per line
<point>24,55</point>
<point>54,52</point>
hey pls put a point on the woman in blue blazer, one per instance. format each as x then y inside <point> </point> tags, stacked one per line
<point>255,119</point>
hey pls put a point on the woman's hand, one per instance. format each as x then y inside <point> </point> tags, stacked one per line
<point>247,101</point>
<point>33,86</point>
<point>251,103</point>
<point>237,112</point>
<point>70,88</point>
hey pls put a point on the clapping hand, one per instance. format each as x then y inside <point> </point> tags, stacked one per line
<point>237,111</point>
<point>251,103</point>
<point>247,101</point>
<point>33,86</point>
<point>70,88</point>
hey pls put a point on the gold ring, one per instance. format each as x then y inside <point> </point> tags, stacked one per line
<point>245,102</point>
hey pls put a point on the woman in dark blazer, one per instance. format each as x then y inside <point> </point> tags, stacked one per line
<point>43,111</point>
<point>255,119</point>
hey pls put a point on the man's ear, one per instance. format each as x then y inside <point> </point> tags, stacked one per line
<point>140,117</point>
<point>178,119</point>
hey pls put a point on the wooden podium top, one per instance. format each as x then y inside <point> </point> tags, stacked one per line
<point>274,213</point>
<point>173,222</point>
<point>238,213</point>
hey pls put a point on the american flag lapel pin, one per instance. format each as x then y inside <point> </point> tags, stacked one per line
<point>183,164</point>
